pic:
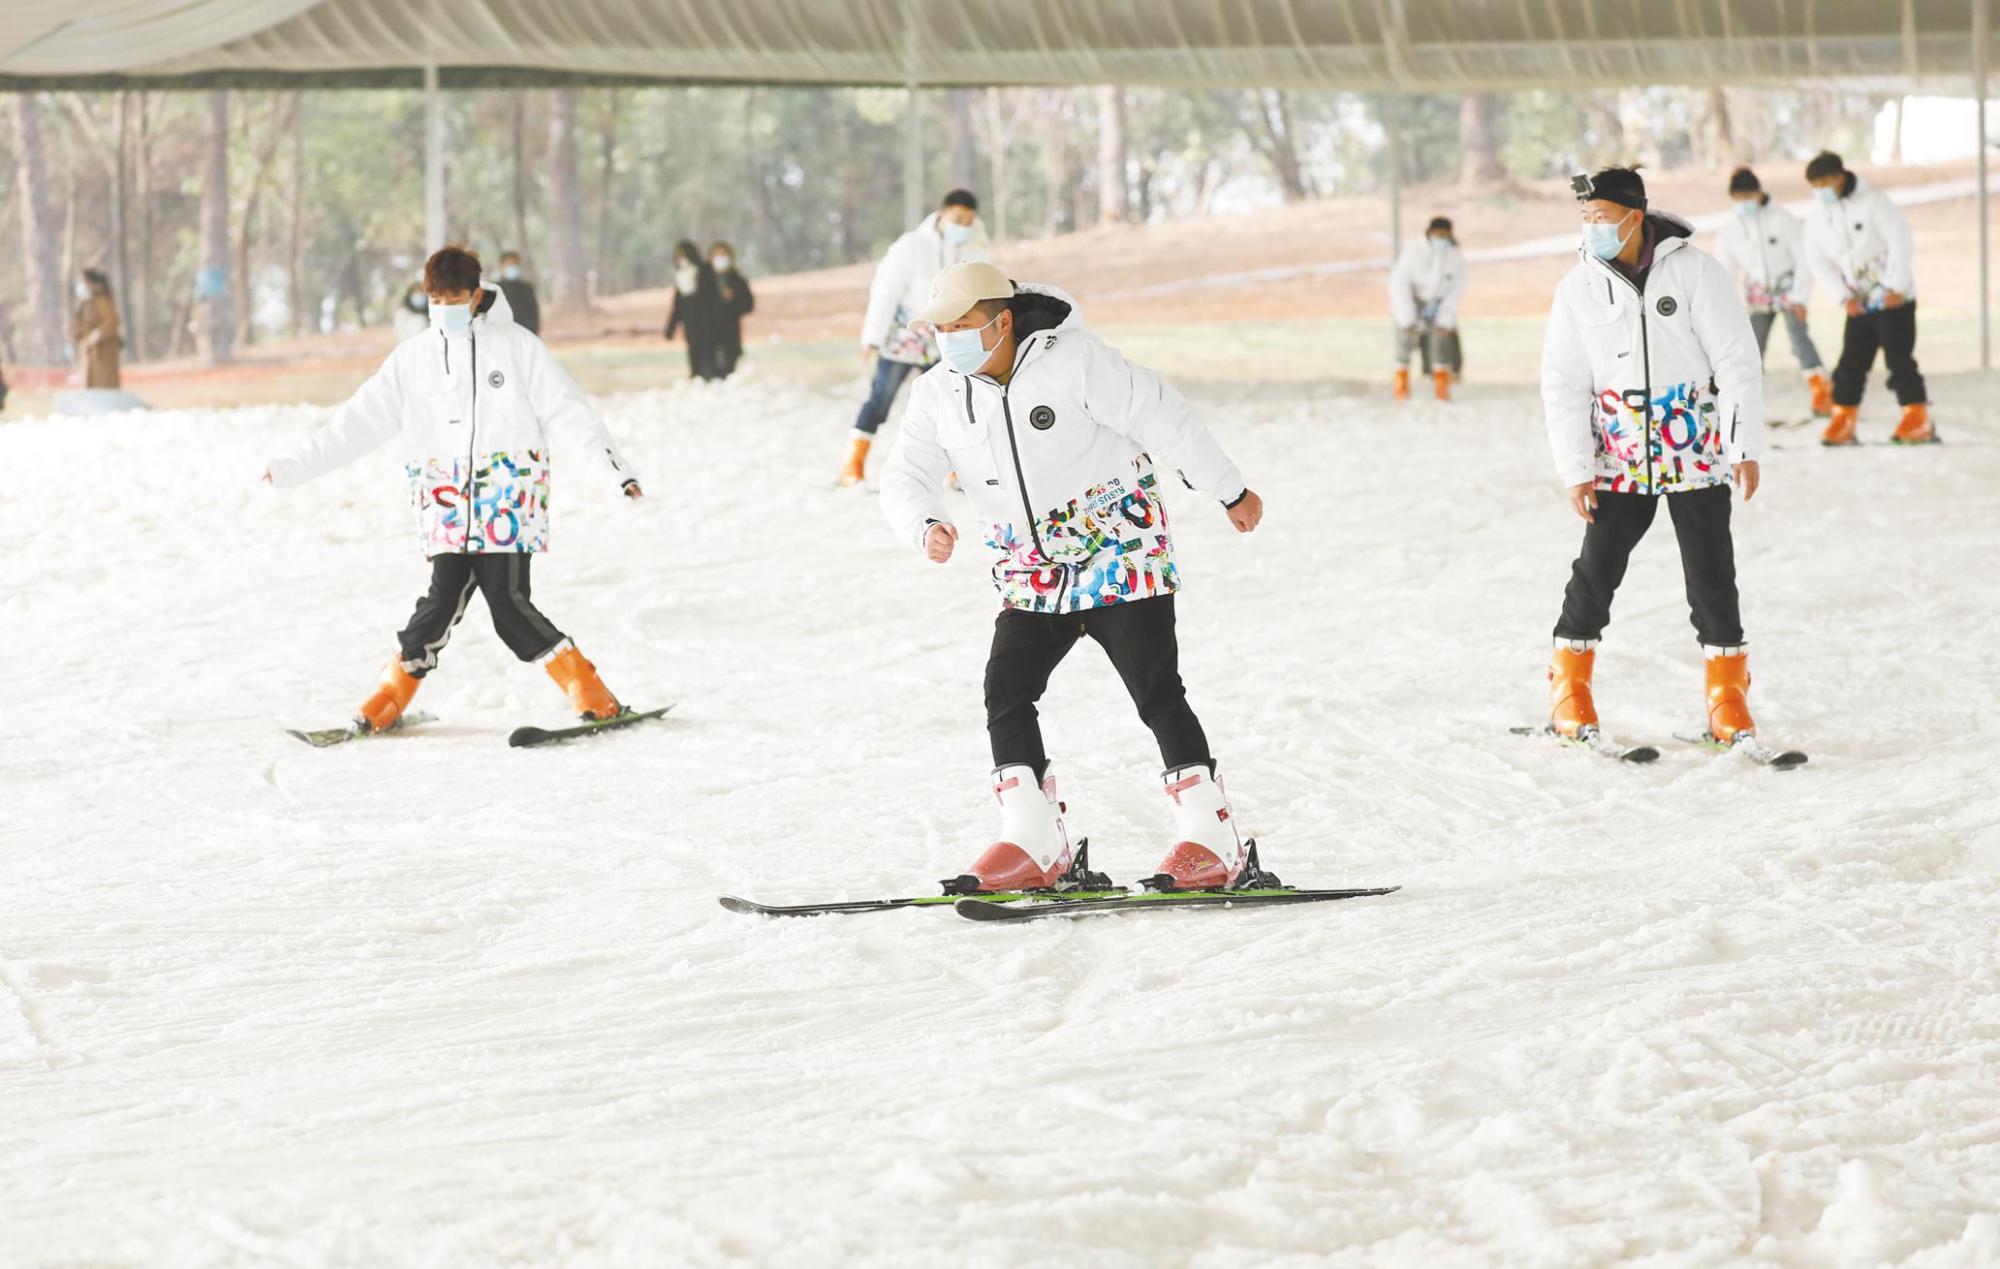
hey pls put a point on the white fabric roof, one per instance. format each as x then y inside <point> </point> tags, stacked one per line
<point>1349,44</point>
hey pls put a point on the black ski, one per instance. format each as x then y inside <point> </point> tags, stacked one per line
<point>327,737</point>
<point>1750,747</point>
<point>529,737</point>
<point>750,908</point>
<point>1154,901</point>
<point>1595,741</point>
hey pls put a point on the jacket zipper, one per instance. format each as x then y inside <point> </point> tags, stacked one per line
<point>471,448</point>
<point>1014,448</point>
<point>1646,362</point>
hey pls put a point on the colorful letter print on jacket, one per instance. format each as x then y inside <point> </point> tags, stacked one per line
<point>1111,546</point>
<point>506,508</point>
<point>1686,442</point>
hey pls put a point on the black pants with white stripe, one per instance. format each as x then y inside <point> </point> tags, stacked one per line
<point>503,579</point>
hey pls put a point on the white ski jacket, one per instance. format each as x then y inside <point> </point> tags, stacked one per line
<point>903,284</point>
<point>1427,282</point>
<point>1767,249</point>
<point>1861,246</point>
<point>1653,392</point>
<point>475,414</point>
<point>1057,464</point>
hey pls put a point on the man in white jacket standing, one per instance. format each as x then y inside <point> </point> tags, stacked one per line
<point>1765,246</point>
<point>474,398</point>
<point>1053,435</point>
<point>890,338</point>
<point>1425,288</point>
<point>1862,248</point>
<point>1653,390</point>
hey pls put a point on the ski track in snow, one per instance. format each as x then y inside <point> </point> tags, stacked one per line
<point>425,1000</point>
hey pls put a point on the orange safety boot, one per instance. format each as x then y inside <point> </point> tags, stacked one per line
<point>1841,430</point>
<point>391,698</point>
<point>857,460</point>
<point>1402,382</point>
<point>1571,711</point>
<point>1915,429</point>
<point>578,679</point>
<point>1728,694</point>
<point>1821,388</point>
<point>1441,382</point>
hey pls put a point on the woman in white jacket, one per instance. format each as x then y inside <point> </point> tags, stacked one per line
<point>474,399</point>
<point>1053,435</point>
<point>890,339</point>
<point>1765,246</point>
<point>1653,390</point>
<point>1425,288</point>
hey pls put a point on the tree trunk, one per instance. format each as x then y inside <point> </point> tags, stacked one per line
<point>121,256</point>
<point>964,162</point>
<point>570,289</point>
<point>1896,137</point>
<point>47,333</point>
<point>1060,212</point>
<point>1113,202</point>
<point>1275,137</point>
<point>1478,142</point>
<point>518,110</point>
<point>295,234</point>
<point>1721,129</point>
<point>607,168</point>
<point>217,326</point>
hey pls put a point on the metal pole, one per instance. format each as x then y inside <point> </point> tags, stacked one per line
<point>1979,38</point>
<point>913,162</point>
<point>1391,125</point>
<point>433,162</point>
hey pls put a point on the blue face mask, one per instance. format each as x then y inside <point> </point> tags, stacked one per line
<point>964,351</point>
<point>452,319</point>
<point>512,273</point>
<point>1746,208</point>
<point>954,233</point>
<point>1602,239</point>
<point>1826,194</point>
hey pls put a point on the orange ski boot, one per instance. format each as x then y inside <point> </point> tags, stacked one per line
<point>1571,711</point>
<point>578,679</point>
<point>1401,390</point>
<point>1441,384</point>
<point>1841,430</point>
<point>1728,694</point>
<point>857,460</point>
<point>380,711</point>
<point>1821,388</point>
<point>1033,851</point>
<point>1915,429</point>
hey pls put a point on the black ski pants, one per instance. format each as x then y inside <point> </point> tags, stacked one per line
<point>1894,332</point>
<point>1708,562</point>
<point>502,577</point>
<point>1137,636</point>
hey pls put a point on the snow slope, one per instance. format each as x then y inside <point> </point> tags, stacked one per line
<point>429,1001</point>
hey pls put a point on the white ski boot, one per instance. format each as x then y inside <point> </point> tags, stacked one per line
<point>1208,855</point>
<point>1033,851</point>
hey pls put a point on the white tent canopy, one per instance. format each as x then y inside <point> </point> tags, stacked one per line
<point>1364,45</point>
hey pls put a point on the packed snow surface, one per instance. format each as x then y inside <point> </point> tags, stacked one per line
<point>427,1000</point>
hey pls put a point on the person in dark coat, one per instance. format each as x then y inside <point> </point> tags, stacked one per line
<point>734,304</point>
<point>697,309</point>
<point>520,293</point>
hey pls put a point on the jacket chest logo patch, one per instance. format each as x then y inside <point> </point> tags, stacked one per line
<point>495,379</point>
<point>1774,242</point>
<point>1042,418</point>
<point>1667,307</point>
<point>1857,226</point>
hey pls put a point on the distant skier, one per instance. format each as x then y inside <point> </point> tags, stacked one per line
<point>1861,246</point>
<point>1425,288</point>
<point>1053,436</point>
<point>1653,389</point>
<point>474,399</point>
<point>889,342</point>
<point>1765,245</point>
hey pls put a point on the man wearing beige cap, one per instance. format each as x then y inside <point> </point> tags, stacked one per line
<point>1053,435</point>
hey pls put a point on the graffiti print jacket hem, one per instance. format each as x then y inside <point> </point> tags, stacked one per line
<point>1057,464</point>
<point>1653,392</point>
<point>475,415</point>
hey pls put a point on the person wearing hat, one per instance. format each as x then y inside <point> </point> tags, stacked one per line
<point>1764,245</point>
<point>1054,436</point>
<point>1861,246</point>
<point>1653,391</point>
<point>1425,288</point>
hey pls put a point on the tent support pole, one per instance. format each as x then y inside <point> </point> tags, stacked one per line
<point>913,161</point>
<point>433,163</point>
<point>1392,126</point>
<point>1980,35</point>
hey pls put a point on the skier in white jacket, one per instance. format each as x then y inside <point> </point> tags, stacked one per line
<point>474,399</point>
<point>1653,390</point>
<point>1053,435</point>
<point>1861,246</point>
<point>1425,288</point>
<point>891,339</point>
<point>1765,245</point>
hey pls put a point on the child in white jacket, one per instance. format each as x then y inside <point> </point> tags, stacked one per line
<point>474,398</point>
<point>1425,288</point>
<point>1765,245</point>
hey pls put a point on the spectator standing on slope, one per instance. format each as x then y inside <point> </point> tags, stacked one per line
<point>1425,288</point>
<point>696,309</point>
<point>733,303</point>
<point>94,331</point>
<point>520,293</point>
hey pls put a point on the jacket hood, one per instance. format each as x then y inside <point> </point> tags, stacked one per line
<point>1039,307</point>
<point>1667,225</point>
<point>493,305</point>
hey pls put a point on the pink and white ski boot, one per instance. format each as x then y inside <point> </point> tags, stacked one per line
<point>1209,854</point>
<point>1033,851</point>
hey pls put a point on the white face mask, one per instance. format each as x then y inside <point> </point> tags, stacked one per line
<point>685,277</point>
<point>83,290</point>
<point>723,264</point>
<point>452,319</point>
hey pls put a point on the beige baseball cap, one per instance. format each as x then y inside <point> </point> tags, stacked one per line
<point>955,290</point>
